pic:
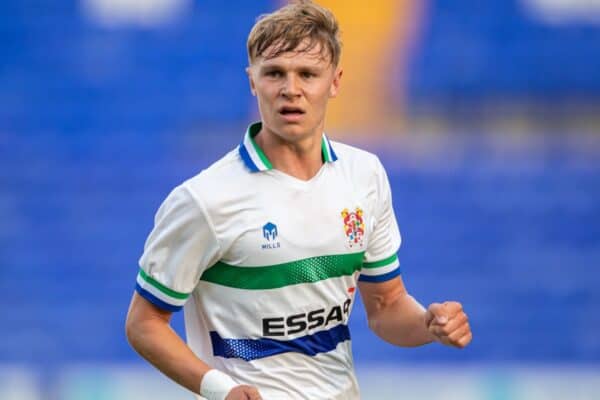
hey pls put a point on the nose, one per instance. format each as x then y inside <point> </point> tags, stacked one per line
<point>291,87</point>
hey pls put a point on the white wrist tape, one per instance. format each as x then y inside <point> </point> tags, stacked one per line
<point>216,385</point>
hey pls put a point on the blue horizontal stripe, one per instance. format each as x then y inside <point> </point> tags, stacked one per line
<point>247,160</point>
<point>380,278</point>
<point>253,349</point>
<point>155,300</point>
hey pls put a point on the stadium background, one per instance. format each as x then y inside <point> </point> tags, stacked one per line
<point>486,115</point>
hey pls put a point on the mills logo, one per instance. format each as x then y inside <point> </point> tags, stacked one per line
<point>270,233</point>
<point>354,226</point>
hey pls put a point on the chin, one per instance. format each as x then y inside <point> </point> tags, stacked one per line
<point>293,132</point>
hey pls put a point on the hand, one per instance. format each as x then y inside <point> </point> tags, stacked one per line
<point>243,392</point>
<point>449,324</point>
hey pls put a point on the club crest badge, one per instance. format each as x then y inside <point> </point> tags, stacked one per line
<point>354,226</point>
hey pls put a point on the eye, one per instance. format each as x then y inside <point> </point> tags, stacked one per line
<point>274,73</point>
<point>308,74</point>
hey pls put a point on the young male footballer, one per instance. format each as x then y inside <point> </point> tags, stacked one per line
<point>264,249</point>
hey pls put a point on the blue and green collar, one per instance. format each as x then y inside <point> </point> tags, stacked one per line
<point>256,160</point>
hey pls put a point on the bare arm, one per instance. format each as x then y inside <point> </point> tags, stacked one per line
<point>394,315</point>
<point>150,334</point>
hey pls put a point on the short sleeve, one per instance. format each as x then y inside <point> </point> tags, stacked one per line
<point>180,247</point>
<point>381,261</point>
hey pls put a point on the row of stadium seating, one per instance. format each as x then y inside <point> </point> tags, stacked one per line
<point>473,50</point>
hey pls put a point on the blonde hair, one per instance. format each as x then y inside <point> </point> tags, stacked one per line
<point>287,28</point>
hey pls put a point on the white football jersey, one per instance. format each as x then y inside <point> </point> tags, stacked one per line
<point>266,265</point>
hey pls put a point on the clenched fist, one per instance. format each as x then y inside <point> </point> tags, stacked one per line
<point>243,392</point>
<point>449,324</point>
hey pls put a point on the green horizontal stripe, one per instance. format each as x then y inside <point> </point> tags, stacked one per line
<point>381,263</point>
<point>307,270</point>
<point>163,288</point>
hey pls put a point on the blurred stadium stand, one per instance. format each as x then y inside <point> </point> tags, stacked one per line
<point>474,50</point>
<point>97,124</point>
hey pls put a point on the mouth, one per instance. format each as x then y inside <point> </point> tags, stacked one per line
<point>290,112</point>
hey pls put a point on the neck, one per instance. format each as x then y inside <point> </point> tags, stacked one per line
<point>301,159</point>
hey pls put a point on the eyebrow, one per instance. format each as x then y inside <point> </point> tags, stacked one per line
<point>298,68</point>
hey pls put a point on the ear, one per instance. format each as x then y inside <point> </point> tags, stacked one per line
<point>335,84</point>
<point>251,80</point>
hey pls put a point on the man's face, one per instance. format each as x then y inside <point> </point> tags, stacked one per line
<point>293,90</point>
